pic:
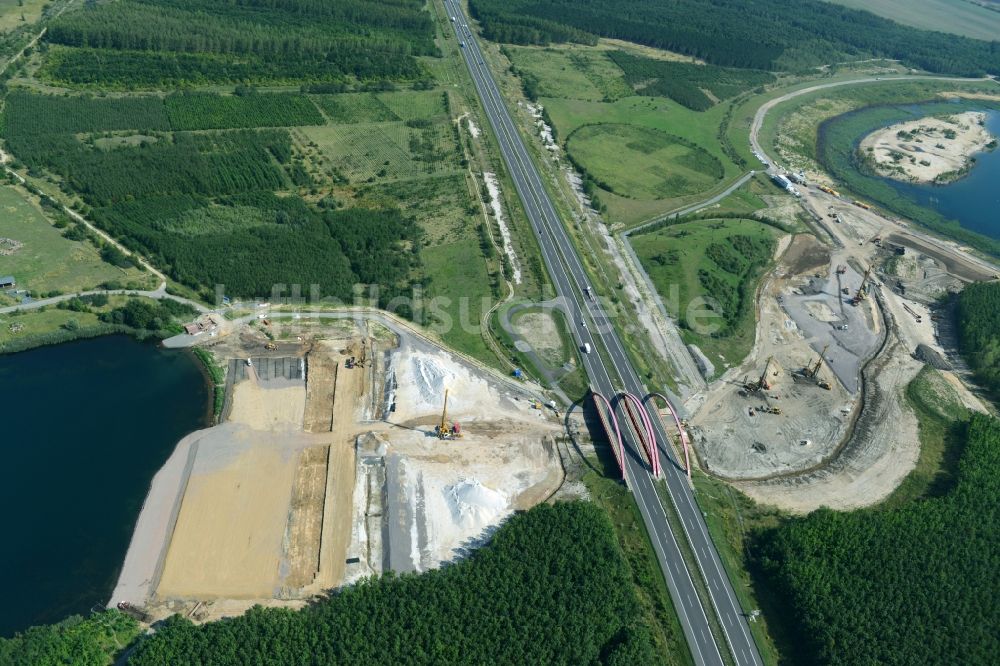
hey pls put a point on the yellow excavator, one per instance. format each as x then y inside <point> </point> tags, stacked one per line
<point>444,430</point>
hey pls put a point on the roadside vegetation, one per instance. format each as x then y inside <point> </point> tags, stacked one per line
<point>719,260</point>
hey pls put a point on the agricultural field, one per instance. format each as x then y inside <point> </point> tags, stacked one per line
<point>719,260</point>
<point>660,165</point>
<point>41,258</point>
<point>961,17</point>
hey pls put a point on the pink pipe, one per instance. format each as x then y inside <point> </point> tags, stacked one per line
<point>620,452</point>
<point>647,424</point>
<point>680,429</point>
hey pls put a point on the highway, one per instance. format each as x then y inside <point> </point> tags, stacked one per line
<point>570,281</point>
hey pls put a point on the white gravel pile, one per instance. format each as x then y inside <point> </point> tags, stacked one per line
<point>473,505</point>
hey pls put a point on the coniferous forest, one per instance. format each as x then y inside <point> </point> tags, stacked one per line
<point>551,588</point>
<point>765,34</point>
<point>914,585</point>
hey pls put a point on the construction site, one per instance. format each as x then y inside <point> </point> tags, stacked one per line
<point>349,448</point>
<point>817,415</point>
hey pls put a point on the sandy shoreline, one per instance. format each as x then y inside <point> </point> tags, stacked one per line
<point>928,150</point>
<point>148,548</point>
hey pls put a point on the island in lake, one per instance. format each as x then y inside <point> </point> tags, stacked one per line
<point>929,150</point>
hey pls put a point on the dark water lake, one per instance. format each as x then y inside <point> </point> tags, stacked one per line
<point>974,201</point>
<point>86,425</point>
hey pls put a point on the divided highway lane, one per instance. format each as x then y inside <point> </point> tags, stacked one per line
<point>570,279</point>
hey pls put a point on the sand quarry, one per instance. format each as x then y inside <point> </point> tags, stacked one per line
<point>321,474</point>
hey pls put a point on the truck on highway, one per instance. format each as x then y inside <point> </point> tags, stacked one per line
<point>585,348</point>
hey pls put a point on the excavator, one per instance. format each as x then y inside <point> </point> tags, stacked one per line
<point>443,430</point>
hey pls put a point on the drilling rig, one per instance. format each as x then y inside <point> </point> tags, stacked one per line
<point>753,387</point>
<point>812,371</point>
<point>444,430</point>
<point>863,289</point>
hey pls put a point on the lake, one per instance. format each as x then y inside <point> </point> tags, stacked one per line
<point>86,425</point>
<point>965,209</point>
<point>973,200</point>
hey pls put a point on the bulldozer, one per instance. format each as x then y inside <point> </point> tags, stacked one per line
<point>270,346</point>
<point>444,430</point>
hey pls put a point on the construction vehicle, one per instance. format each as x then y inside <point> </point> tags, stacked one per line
<point>753,387</point>
<point>810,371</point>
<point>270,346</point>
<point>861,204</point>
<point>841,269</point>
<point>863,289</point>
<point>829,190</point>
<point>444,430</point>
<point>823,384</point>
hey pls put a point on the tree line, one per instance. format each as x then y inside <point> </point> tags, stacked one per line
<point>979,331</point>
<point>146,43</point>
<point>765,34</point>
<point>552,587</point>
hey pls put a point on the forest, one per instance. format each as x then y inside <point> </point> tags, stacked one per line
<point>685,83</point>
<point>552,587</point>
<point>912,585</point>
<point>202,205</point>
<point>145,43</point>
<point>765,34</point>
<point>979,332</point>
<point>78,641</point>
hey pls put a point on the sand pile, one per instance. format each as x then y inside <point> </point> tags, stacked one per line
<point>474,505</point>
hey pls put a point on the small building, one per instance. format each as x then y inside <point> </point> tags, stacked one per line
<point>193,329</point>
<point>7,282</point>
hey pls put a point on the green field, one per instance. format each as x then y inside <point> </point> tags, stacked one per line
<point>657,113</point>
<point>572,71</point>
<point>961,17</point>
<point>46,261</point>
<point>717,259</point>
<point>642,162</point>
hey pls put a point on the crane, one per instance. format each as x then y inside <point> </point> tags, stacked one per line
<point>443,430</point>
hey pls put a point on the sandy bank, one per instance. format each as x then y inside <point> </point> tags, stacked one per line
<point>929,150</point>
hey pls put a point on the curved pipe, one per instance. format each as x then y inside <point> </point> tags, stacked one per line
<point>620,452</point>
<point>680,429</point>
<point>647,424</point>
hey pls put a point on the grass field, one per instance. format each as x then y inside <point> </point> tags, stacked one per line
<point>46,261</point>
<point>656,113</point>
<point>11,12</point>
<point>572,71</point>
<point>700,259</point>
<point>961,17</point>
<point>659,165</point>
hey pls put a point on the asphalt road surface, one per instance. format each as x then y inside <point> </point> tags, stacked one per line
<point>570,281</point>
